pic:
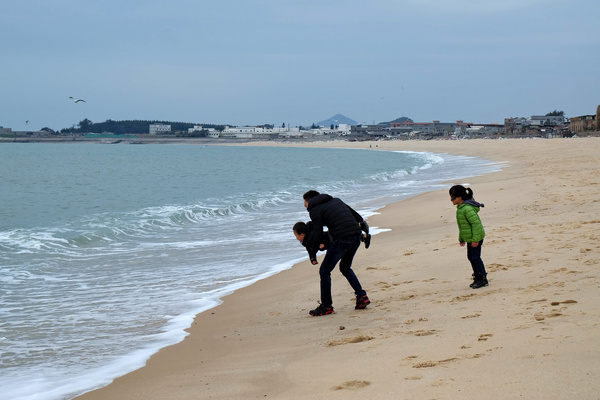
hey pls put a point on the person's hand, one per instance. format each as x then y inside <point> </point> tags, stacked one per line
<point>462,244</point>
<point>474,244</point>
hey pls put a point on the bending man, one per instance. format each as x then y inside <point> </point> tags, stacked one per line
<point>344,229</point>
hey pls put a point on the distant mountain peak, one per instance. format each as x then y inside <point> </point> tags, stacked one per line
<point>337,119</point>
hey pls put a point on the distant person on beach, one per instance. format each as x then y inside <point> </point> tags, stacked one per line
<point>345,231</point>
<point>304,234</point>
<point>470,231</point>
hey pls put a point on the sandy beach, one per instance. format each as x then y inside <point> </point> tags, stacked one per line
<point>531,334</point>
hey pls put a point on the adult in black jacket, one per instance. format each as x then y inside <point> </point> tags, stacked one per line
<point>344,229</point>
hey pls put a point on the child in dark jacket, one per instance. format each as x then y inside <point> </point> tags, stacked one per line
<point>305,235</point>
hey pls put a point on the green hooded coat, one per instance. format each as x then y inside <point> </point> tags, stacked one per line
<point>470,228</point>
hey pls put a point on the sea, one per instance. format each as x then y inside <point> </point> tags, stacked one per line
<point>108,251</point>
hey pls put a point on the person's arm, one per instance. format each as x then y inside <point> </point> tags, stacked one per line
<point>316,236</point>
<point>312,256</point>
<point>476,226</point>
<point>356,215</point>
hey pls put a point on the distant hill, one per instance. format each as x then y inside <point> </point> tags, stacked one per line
<point>336,120</point>
<point>401,119</point>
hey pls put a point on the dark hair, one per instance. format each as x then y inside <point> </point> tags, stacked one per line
<point>310,194</point>
<point>300,228</point>
<point>460,191</point>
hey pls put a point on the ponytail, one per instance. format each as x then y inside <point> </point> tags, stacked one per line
<point>461,191</point>
<point>469,193</point>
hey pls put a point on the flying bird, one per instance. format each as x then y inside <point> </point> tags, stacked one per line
<point>76,101</point>
<point>27,122</point>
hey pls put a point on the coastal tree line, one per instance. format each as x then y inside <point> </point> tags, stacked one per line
<point>132,127</point>
<point>143,127</point>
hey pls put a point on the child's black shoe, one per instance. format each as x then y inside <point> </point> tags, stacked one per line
<point>480,283</point>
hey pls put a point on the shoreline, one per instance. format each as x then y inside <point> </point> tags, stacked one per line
<point>424,330</point>
<point>325,141</point>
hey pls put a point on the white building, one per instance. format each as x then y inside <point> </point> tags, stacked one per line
<point>239,129</point>
<point>196,128</point>
<point>547,120</point>
<point>159,129</point>
<point>210,132</point>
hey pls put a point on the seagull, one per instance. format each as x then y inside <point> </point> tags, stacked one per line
<point>76,101</point>
<point>27,122</point>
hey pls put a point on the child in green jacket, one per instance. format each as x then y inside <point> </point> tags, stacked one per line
<point>470,230</point>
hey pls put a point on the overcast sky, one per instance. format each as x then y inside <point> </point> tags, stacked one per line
<point>296,62</point>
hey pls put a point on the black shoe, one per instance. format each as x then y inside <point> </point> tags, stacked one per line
<point>321,310</point>
<point>480,283</point>
<point>362,302</point>
<point>475,279</point>
<point>364,226</point>
<point>367,239</point>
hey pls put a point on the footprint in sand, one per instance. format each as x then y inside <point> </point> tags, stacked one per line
<point>384,285</point>
<point>539,316</point>
<point>555,303</point>
<point>441,382</point>
<point>542,316</point>
<point>494,267</point>
<point>464,298</point>
<point>422,333</point>
<point>352,385</point>
<point>485,336</point>
<point>429,364</point>
<point>356,339</point>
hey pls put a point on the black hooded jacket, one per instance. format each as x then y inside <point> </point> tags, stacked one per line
<point>340,219</point>
<point>308,240</point>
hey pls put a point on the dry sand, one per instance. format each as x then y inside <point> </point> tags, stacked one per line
<point>532,333</point>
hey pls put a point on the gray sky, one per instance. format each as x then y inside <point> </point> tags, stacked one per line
<point>298,62</point>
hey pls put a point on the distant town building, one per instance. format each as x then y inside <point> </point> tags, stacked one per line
<point>159,129</point>
<point>582,123</point>
<point>585,122</point>
<point>435,128</point>
<point>249,132</point>
<point>547,120</point>
<point>210,132</point>
<point>515,125</point>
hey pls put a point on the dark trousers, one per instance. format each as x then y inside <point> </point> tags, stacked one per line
<point>341,250</point>
<point>474,257</point>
